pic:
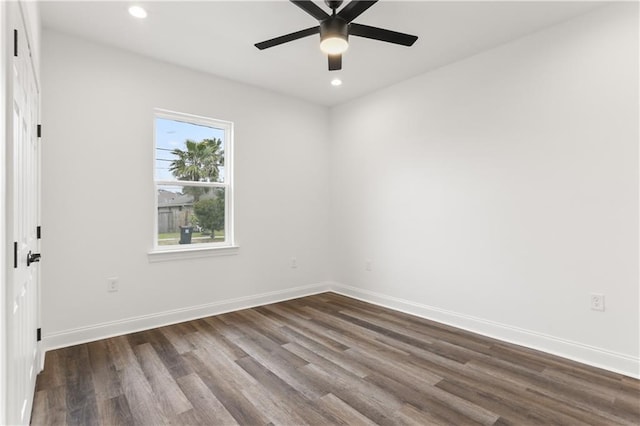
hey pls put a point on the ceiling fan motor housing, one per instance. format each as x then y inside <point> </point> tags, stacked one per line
<point>334,26</point>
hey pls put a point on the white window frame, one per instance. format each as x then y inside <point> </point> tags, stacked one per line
<point>174,252</point>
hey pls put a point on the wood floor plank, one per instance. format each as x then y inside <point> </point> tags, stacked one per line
<point>188,418</point>
<point>597,404</point>
<point>553,408</point>
<point>115,411</point>
<point>323,359</point>
<point>511,412</point>
<point>297,407</point>
<point>437,331</point>
<point>386,325</point>
<point>39,408</point>
<point>228,330</point>
<point>628,408</point>
<point>615,388</point>
<point>122,355</point>
<point>80,392</point>
<point>210,410</point>
<point>307,328</point>
<point>206,335</point>
<point>143,406</point>
<point>410,341</point>
<point>351,335</point>
<point>235,402</point>
<point>168,354</point>
<point>105,382</point>
<point>178,339</point>
<point>162,383</point>
<point>408,415</point>
<point>53,374</point>
<point>375,403</point>
<point>278,365</point>
<point>49,406</point>
<point>328,360</point>
<point>342,411</point>
<point>433,400</point>
<point>401,371</point>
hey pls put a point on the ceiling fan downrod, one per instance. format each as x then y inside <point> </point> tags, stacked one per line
<point>333,4</point>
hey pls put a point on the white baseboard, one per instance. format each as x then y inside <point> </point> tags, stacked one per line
<point>590,355</point>
<point>145,322</point>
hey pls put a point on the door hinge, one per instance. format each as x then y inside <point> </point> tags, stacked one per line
<point>15,254</point>
<point>15,42</point>
<point>38,334</point>
<point>39,130</point>
<point>38,232</point>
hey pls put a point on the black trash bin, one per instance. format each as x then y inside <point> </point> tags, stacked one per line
<point>185,234</point>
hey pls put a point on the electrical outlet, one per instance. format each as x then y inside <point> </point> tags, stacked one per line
<point>112,284</point>
<point>294,263</point>
<point>597,302</point>
<point>367,265</point>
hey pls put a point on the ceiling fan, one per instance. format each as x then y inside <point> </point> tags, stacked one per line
<point>336,28</point>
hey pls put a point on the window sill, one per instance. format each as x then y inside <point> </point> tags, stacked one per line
<point>191,253</point>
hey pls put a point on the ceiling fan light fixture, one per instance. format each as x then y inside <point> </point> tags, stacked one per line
<point>334,33</point>
<point>334,45</point>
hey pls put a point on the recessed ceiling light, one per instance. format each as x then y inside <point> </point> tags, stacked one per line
<point>336,82</point>
<point>138,12</point>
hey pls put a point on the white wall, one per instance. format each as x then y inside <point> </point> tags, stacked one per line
<point>498,192</point>
<point>98,192</point>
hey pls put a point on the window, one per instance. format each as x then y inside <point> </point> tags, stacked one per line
<point>192,174</point>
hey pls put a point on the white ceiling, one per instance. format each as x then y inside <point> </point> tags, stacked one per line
<point>217,37</point>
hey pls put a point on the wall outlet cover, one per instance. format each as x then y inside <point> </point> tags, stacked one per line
<point>112,284</point>
<point>597,301</point>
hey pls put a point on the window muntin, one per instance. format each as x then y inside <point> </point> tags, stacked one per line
<point>192,175</point>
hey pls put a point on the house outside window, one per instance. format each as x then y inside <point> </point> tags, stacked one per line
<point>193,182</point>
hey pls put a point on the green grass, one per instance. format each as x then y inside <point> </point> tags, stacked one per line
<point>176,235</point>
<point>170,238</point>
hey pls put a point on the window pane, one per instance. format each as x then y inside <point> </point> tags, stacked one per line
<point>189,152</point>
<point>190,215</point>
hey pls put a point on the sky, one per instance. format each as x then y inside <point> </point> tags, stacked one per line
<point>172,134</point>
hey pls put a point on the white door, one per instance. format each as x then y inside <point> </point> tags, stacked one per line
<point>23,194</point>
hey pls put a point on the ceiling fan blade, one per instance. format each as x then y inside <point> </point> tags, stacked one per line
<point>311,8</point>
<point>287,38</point>
<point>335,62</point>
<point>381,34</point>
<point>355,9</point>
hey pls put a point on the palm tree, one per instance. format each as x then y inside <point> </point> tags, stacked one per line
<point>200,162</point>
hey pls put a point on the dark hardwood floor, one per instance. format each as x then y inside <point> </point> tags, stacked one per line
<point>324,359</point>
